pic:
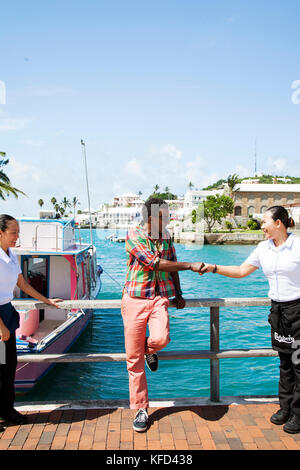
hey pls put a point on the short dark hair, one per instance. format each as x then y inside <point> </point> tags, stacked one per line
<point>279,212</point>
<point>4,219</point>
<point>146,209</point>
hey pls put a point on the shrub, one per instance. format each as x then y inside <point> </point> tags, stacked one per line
<point>253,224</point>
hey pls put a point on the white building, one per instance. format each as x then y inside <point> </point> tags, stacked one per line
<point>195,197</point>
<point>127,200</point>
<point>119,217</point>
<point>84,217</point>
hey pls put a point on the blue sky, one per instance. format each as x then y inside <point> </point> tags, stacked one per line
<point>162,92</point>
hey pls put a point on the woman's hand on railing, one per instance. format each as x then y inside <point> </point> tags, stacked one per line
<point>54,302</point>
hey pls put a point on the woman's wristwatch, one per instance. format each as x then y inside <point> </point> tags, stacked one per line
<point>215,269</point>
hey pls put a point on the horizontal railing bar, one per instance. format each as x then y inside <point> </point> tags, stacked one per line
<point>164,355</point>
<point>30,304</point>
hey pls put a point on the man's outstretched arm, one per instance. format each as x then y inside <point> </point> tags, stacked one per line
<point>174,266</point>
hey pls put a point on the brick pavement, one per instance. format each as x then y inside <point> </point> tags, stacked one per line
<point>221,427</point>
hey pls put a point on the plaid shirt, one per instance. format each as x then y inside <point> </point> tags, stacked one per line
<point>143,255</point>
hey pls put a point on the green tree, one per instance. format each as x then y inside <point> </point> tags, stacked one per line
<point>156,188</point>
<point>57,210</point>
<point>53,201</point>
<point>61,210</point>
<point>190,186</point>
<point>40,203</point>
<point>6,188</point>
<point>216,208</point>
<point>75,203</point>
<point>65,203</point>
<point>232,182</point>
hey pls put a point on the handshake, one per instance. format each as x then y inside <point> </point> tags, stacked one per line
<point>202,268</point>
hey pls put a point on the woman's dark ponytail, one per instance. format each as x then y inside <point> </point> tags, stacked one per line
<point>279,212</point>
<point>291,222</point>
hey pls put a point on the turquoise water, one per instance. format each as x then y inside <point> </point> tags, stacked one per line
<point>240,327</point>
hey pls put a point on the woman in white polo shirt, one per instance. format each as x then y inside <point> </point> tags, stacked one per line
<point>10,276</point>
<point>279,258</point>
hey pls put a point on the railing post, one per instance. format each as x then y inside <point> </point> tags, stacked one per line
<point>214,363</point>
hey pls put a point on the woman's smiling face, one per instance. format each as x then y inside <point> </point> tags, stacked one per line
<point>270,226</point>
<point>9,237</point>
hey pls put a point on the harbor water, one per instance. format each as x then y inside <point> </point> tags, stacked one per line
<point>240,327</point>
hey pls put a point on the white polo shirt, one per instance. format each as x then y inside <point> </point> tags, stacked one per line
<point>9,272</point>
<point>281,266</point>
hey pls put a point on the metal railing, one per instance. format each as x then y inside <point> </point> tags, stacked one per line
<point>214,354</point>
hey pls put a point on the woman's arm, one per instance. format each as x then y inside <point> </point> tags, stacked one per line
<point>230,271</point>
<point>28,289</point>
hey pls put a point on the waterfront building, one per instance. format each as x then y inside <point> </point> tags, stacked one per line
<point>84,217</point>
<point>127,200</point>
<point>195,197</point>
<point>255,199</point>
<point>119,217</point>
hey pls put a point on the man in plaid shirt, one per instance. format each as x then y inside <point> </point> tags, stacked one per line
<point>152,277</point>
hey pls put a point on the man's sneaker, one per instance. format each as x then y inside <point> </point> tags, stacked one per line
<point>140,422</point>
<point>293,425</point>
<point>151,361</point>
<point>280,417</point>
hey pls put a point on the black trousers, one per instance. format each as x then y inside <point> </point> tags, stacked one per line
<point>7,376</point>
<point>289,384</point>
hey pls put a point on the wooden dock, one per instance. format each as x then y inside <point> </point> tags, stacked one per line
<point>207,427</point>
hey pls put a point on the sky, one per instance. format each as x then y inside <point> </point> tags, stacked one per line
<point>162,92</point>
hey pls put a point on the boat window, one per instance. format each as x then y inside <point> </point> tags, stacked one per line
<point>35,272</point>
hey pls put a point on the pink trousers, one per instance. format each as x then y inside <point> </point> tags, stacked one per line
<point>136,313</point>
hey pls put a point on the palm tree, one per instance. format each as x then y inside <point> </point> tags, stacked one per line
<point>53,201</point>
<point>5,185</point>
<point>62,210</point>
<point>156,188</point>
<point>75,202</point>
<point>167,190</point>
<point>56,207</point>
<point>40,203</point>
<point>190,186</point>
<point>65,203</point>
<point>232,181</point>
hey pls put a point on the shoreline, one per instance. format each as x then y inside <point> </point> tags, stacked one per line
<point>219,238</point>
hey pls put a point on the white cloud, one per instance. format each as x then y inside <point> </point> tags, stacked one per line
<point>48,90</point>
<point>7,124</point>
<point>32,142</point>
<point>241,171</point>
<point>170,151</point>
<point>278,165</point>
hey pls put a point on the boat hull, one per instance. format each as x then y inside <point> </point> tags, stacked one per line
<point>28,374</point>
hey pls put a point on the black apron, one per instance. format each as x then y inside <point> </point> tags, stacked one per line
<point>284,319</point>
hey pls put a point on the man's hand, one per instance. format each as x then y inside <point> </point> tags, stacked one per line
<point>179,302</point>
<point>207,268</point>
<point>196,267</point>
